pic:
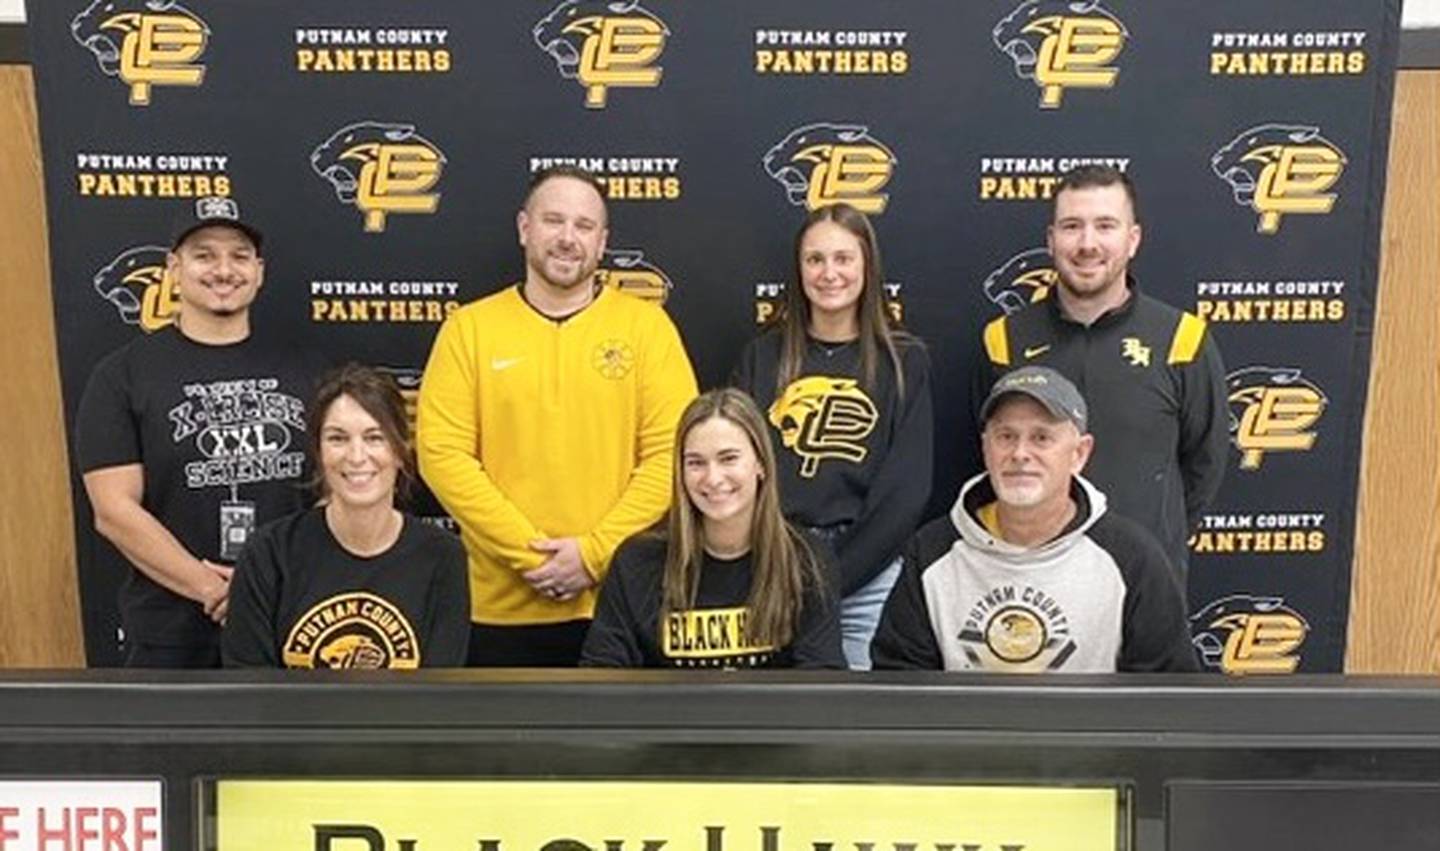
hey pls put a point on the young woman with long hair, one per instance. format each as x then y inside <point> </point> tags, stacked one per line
<point>729,583</point>
<point>847,394</point>
<point>353,582</point>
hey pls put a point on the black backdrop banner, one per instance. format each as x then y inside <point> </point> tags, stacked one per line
<point>385,148</point>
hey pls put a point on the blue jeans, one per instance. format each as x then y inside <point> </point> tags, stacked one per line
<point>860,615</point>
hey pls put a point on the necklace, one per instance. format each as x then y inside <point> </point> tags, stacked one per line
<point>831,349</point>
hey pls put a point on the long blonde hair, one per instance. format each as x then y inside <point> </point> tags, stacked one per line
<point>880,333</point>
<point>783,564</point>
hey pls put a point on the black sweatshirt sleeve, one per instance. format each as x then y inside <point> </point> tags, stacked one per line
<point>895,502</point>
<point>1204,431</point>
<point>449,616</point>
<point>614,637</point>
<point>817,641</point>
<point>249,638</point>
<point>817,636</point>
<point>905,640</point>
<point>1155,633</point>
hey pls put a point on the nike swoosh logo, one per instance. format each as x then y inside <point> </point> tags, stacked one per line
<point>1036,351</point>
<point>498,364</point>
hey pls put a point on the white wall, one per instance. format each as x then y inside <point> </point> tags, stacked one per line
<point>1418,14</point>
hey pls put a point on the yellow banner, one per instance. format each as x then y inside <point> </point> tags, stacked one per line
<point>404,815</point>
<point>710,633</point>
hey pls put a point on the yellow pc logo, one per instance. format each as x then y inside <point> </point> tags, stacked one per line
<point>381,169</point>
<point>1272,410</point>
<point>145,44</point>
<point>407,378</point>
<point>822,417</point>
<point>604,43</point>
<point>1245,634</point>
<point>826,163</point>
<point>1280,169</point>
<point>138,286</point>
<point>627,270</point>
<point>1062,45</point>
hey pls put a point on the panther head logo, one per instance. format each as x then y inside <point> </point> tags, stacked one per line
<point>89,28</point>
<point>822,417</point>
<point>1024,279</point>
<point>1017,635</point>
<point>793,160</point>
<point>339,159</point>
<point>352,651</point>
<point>1020,33</point>
<point>1212,628</point>
<point>1240,162</point>
<point>124,280</point>
<point>1244,387</point>
<point>562,33</point>
<point>627,270</point>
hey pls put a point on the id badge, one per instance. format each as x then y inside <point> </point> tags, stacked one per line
<point>237,524</point>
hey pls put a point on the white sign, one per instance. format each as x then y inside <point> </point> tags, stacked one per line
<point>81,815</point>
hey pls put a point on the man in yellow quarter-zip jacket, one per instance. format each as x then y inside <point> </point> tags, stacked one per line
<point>546,421</point>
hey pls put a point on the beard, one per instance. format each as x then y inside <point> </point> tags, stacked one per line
<point>1091,287</point>
<point>554,271</point>
<point>1025,494</point>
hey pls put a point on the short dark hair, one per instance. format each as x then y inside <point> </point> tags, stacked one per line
<point>1095,176</point>
<point>379,396</point>
<point>575,172</point>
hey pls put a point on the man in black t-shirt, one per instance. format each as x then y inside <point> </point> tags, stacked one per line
<point>188,439</point>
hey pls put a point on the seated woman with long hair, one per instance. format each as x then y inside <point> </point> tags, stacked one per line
<point>730,584</point>
<point>353,582</point>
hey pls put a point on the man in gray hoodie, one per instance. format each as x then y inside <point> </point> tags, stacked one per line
<point>1028,572</point>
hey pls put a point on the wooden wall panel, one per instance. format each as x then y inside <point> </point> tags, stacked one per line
<point>39,605</point>
<point>1395,592</point>
<point>1395,612</point>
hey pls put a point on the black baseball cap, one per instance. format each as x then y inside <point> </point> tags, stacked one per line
<point>213,211</point>
<point>1045,386</point>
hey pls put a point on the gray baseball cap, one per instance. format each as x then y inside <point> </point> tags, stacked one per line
<point>1045,386</point>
